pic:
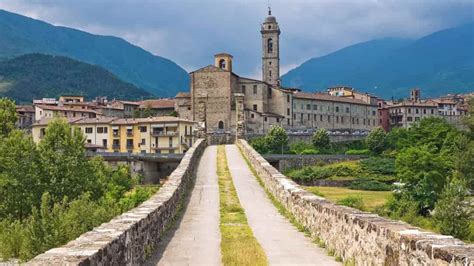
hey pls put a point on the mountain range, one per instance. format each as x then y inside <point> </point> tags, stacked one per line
<point>440,63</point>
<point>36,76</point>
<point>23,35</point>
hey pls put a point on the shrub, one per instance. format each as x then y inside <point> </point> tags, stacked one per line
<point>259,144</point>
<point>358,152</point>
<point>321,139</point>
<point>352,201</point>
<point>453,210</point>
<point>299,147</point>
<point>377,141</point>
<point>379,165</point>
<point>371,185</point>
<point>309,151</point>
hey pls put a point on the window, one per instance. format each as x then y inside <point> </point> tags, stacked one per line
<point>129,143</point>
<point>89,141</point>
<point>288,121</point>
<point>143,129</point>
<point>278,120</point>
<point>222,64</point>
<point>255,107</point>
<point>308,107</point>
<point>270,73</point>
<point>424,111</point>
<point>100,130</point>
<point>221,125</point>
<point>129,132</point>
<point>337,119</point>
<point>143,142</point>
<point>417,119</point>
<point>337,109</point>
<point>294,116</point>
<point>104,143</point>
<point>270,63</point>
<point>315,117</point>
<point>353,120</point>
<point>321,118</point>
<point>431,111</point>
<point>270,45</point>
<point>374,113</point>
<point>417,110</point>
<point>287,98</point>
<point>315,107</point>
<point>363,121</point>
<point>116,144</point>
<point>302,106</point>
<point>288,111</point>
<point>243,89</point>
<point>269,92</point>
<point>252,115</point>
<point>254,89</point>
<point>342,119</point>
<point>265,119</point>
<point>347,110</point>
<point>171,138</point>
<point>88,130</point>
<point>309,117</point>
<point>329,118</point>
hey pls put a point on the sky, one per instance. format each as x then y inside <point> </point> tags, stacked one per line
<point>190,32</point>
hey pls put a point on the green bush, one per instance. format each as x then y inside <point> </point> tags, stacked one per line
<point>377,140</point>
<point>309,151</point>
<point>358,152</point>
<point>259,144</point>
<point>299,147</point>
<point>371,185</point>
<point>352,201</point>
<point>379,165</point>
<point>321,139</point>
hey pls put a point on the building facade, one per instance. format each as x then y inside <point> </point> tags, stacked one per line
<point>164,134</point>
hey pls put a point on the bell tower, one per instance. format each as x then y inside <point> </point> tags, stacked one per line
<point>270,50</point>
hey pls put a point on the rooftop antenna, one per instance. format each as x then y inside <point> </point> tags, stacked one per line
<point>269,9</point>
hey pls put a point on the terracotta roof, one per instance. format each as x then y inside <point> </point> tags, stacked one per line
<point>326,97</point>
<point>155,119</point>
<point>183,95</point>
<point>63,108</point>
<point>410,103</point>
<point>25,108</point>
<point>97,120</point>
<point>130,102</point>
<point>157,104</point>
<point>46,121</point>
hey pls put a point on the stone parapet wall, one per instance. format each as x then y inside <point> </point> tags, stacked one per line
<point>364,238</point>
<point>131,237</point>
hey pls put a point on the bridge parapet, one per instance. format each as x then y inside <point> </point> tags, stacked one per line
<point>129,238</point>
<point>361,237</point>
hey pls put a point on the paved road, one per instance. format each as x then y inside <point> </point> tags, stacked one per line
<point>196,238</point>
<point>281,241</point>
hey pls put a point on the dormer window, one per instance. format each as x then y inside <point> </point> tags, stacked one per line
<point>222,64</point>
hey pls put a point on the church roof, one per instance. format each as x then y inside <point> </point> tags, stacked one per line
<point>209,68</point>
<point>270,19</point>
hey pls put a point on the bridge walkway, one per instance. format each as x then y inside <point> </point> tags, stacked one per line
<point>281,241</point>
<point>195,238</point>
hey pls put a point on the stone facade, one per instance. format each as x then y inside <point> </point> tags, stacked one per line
<point>360,237</point>
<point>131,237</point>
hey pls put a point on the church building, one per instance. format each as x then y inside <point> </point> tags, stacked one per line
<point>227,105</point>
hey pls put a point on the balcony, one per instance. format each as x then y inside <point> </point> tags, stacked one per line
<point>129,146</point>
<point>164,134</point>
<point>116,146</point>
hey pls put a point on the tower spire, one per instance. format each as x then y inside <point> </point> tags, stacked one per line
<point>269,9</point>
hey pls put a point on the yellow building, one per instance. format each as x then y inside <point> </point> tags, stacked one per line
<point>165,134</point>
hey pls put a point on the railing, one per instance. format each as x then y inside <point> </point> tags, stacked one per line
<point>164,134</point>
<point>116,146</point>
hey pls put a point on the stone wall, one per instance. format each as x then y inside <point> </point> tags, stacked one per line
<point>129,238</point>
<point>364,238</point>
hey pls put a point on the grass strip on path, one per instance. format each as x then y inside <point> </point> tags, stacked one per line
<point>238,244</point>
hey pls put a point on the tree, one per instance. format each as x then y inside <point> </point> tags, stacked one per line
<point>321,139</point>
<point>8,116</point>
<point>276,138</point>
<point>65,168</point>
<point>377,140</point>
<point>453,211</point>
<point>424,174</point>
<point>19,175</point>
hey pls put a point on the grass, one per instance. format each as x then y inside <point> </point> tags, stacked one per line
<point>371,199</point>
<point>238,244</point>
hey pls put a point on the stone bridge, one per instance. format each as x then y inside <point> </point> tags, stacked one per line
<point>161,232</point>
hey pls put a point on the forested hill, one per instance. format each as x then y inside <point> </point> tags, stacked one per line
<point>36,76</point>
<point>440,63</point>
<point>22,35</point>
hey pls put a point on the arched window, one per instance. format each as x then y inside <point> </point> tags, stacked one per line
<point>270,46</point>
<point>222,63</point>
<point>221,125</point>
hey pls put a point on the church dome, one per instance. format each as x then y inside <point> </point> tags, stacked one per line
<point>270,19</point>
